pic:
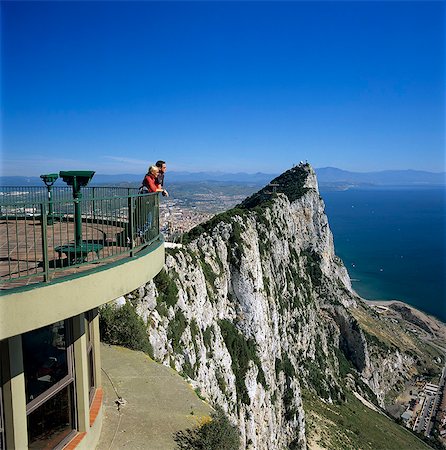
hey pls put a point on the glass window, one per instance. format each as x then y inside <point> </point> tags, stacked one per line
<point>91,371</point>
<point>2,429</point>
<point>49,384</point>
<point>51,422</point>
<point>90,353</point>
<point>87,327</point>
<point>45,358</point>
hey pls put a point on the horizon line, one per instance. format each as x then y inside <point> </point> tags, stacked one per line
<point>213,171</point>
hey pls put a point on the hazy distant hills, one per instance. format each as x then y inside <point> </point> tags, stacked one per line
<point>384,178</point>
<point>327,176</point>
<point>171,177</point>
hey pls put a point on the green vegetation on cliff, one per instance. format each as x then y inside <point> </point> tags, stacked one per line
<point>217,433</point>
<point>176,329</point>
<point>351,425</point>
<point>312,266</point>
<point>284,365</point>
<point>291,183</point>
<point>206,227</point>
<point>167,289</point>
<point>121,325</point>
<point>242,351</point>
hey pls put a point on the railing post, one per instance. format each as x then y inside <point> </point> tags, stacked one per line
<point>50,206</point>
<point>131,223</point>
<point>77,222</point>
<point>43,223</point>
<point>93,204</point>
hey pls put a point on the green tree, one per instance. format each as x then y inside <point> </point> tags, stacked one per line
<point>218,434</point>
<point>123,326</point>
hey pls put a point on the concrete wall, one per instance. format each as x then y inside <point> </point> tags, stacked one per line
<point>48,303</point>
<point>13,386</point>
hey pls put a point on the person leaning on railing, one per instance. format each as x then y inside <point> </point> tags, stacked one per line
<point>161,172</point>
<point>150,182</point>
<point>144,209</point>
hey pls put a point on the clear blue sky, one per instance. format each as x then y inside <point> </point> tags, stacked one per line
<point>231,86</point>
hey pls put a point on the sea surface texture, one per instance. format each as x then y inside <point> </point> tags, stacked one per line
<point>393,243</point>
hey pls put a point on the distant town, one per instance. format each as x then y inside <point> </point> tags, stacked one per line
<point>191,204</point>
<point>179,216</point>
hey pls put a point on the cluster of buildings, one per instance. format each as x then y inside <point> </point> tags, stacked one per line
<point>426,409</point>
<point>427,405</point>
<point>441,413</point>
<point>186,207</point>
<point>176,218</point>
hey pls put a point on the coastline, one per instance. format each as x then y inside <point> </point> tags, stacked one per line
<point>436,327</point>
<point>386,230</point>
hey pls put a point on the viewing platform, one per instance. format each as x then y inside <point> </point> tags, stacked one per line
<point>83,252</point>
<point>64,252</point>
<point>38,237</point>
<point>22,260</point>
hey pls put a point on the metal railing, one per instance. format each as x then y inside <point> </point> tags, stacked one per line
<point>36,194</point>
<point>42,240</point>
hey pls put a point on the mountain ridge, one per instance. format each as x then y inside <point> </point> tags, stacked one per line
<point>325,175</point>
<point>257,312</point>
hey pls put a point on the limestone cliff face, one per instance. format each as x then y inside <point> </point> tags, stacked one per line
<point>255,308</point>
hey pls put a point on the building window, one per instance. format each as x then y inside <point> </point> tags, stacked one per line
<point>49,384</point>
<point>52,422</point>
<point>89,316</point>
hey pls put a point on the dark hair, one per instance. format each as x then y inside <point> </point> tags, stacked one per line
<point>160,163</point>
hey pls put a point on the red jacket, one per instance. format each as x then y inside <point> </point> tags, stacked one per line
<point>150,183</point>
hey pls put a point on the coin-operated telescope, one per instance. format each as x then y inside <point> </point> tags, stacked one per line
<point>77,179</point>
<point>49,179</point>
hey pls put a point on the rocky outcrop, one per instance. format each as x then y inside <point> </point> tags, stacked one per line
<point>255,308</point>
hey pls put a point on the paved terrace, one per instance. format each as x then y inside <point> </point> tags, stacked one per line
<point>157,402</point>
<point>21,252</point>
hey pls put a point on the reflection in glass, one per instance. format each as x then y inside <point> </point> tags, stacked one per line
<point>88,326</point>
<point>49,424</point>
<point>45,358</point>
<point>2,429</point>
<point>89,335</point>
<point>90,370</point>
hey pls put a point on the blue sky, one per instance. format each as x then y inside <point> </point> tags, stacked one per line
<point>231,86</point>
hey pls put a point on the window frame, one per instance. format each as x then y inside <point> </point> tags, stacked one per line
<point>89,317</point>
<point>72,392</point>
<point>65,381</point>
<point>53,390</point>
<point>2,422</point>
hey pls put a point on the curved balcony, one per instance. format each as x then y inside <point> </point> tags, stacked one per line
<point>59,258</point>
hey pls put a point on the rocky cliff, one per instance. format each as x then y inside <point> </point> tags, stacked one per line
<point>256,309</point>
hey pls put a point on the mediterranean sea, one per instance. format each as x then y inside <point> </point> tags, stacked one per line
<point>393,243</point>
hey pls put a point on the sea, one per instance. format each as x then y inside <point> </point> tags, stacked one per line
<point>393,243</point>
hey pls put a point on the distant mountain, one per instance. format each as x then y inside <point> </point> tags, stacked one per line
<point>327,176</point>
<point>384,178</point>
<point>171,177</point>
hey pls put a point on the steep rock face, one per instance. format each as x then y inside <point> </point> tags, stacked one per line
<point>255,308</point>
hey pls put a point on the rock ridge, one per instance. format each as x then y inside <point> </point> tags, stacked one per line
<point>256,309</point>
